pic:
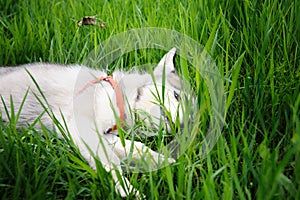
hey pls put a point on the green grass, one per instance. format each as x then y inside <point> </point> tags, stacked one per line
<point>254,44</point>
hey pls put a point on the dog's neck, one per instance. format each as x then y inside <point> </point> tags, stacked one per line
<point>131,86</point>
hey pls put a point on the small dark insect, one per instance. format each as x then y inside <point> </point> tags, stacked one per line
<point>89,20</point>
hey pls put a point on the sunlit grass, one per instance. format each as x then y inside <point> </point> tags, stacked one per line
<point>256,48</point>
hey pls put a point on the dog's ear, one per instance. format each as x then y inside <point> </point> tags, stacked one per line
<point>166,63</point>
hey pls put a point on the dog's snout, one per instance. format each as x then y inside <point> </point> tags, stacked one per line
<point>181,125</point>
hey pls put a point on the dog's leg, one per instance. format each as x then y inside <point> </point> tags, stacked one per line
<point>123,186</point>
<point>92,145</point>
<point>111,164</point>
<point>138,150</point>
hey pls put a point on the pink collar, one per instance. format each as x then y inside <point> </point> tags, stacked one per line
<point>119,96</point>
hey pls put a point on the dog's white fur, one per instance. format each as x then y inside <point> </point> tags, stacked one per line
<point>91,113</point>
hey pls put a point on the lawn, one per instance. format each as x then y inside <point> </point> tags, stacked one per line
<point>255,46</point>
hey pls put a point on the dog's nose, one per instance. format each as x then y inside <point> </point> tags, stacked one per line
<point>179,128</point>
<point>181,125</point>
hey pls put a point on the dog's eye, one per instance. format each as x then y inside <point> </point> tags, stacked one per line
<point>177,96</point>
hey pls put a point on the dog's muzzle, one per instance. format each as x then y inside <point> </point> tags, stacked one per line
<point>170,122</point>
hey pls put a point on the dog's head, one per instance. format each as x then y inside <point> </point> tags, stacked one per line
<point>161,97</point>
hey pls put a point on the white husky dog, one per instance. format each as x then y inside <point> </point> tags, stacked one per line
<point>93,106</point>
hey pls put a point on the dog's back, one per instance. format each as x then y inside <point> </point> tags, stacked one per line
<point>54,82</point>
<point>7,70</point>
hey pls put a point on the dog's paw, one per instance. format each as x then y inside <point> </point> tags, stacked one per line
<point>159,159</point>
<point>166,159</point>
<point>127,189</point>
<point>171,160</point>
<point>138,195</point>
